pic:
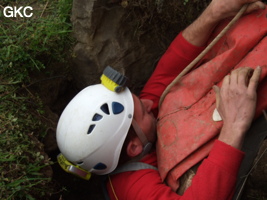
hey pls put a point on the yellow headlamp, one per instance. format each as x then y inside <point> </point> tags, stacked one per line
<point>113,80</point>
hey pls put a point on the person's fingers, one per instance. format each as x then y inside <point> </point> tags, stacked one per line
<point>225,86</point>
<point>254,80</point>
<point>226,81</point>
<point>234,76</point>
<point>244,74</point>
<point>255,6</point>
<point>217,94</point>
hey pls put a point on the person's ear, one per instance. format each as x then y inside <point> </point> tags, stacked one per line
<point>134,147</point>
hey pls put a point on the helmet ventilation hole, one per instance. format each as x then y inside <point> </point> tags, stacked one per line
<point>97,117</point>
<point>91,128</point>
<point>79,163</point>
<point>105,108</point>
<point>117,108</point>
<point>100,166</point>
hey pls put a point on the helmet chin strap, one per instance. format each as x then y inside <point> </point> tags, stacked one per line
<point>146,144</point>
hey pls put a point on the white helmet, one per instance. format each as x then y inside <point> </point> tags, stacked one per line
<point>92,128</point>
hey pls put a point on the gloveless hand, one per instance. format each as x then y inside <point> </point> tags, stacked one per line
<point>236,103</point>
<point>222,9</point>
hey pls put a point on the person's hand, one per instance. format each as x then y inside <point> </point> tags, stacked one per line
<point>199,31</point>
<point>236,103</point>
<point>222,9</point>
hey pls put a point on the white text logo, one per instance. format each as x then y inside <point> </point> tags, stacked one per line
<point>18,12</point>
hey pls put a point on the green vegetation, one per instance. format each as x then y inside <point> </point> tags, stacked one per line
<point>31,43</point>
<point>185,2</point>
<point>27,45</point>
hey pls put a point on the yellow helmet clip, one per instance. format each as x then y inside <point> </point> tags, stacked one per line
<point>73,169</point>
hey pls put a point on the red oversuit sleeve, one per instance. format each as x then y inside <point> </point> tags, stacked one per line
<point>215,179</point>
<point>179,54</point>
